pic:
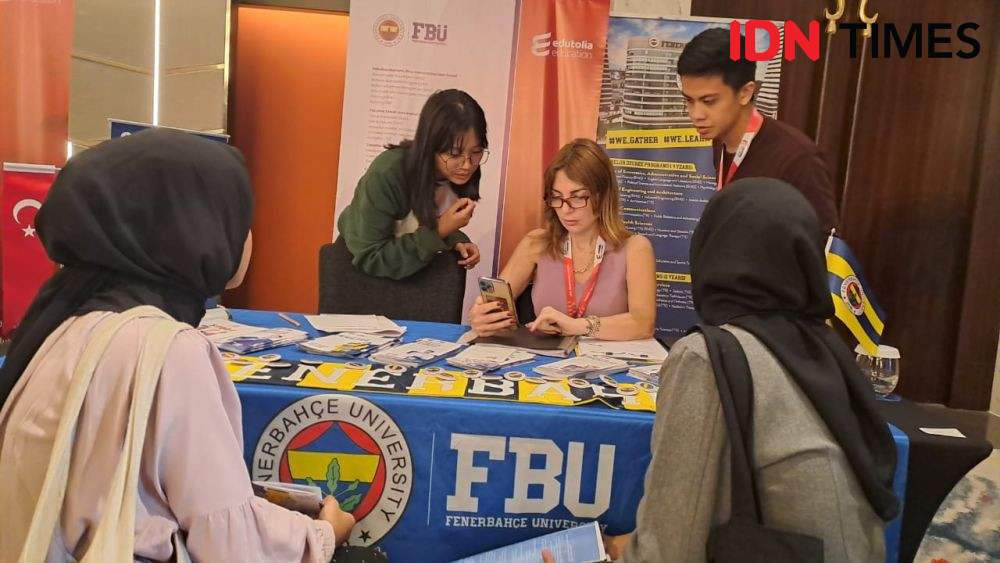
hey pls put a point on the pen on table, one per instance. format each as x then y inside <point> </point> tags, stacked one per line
<point>627,355</point>
<point>289,319</point>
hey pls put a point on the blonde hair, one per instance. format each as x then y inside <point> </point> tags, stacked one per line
<point>585,162</point>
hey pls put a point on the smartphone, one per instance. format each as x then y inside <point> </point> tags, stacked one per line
<point>494,289</point>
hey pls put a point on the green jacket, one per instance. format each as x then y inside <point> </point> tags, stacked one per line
<point>368,224</point>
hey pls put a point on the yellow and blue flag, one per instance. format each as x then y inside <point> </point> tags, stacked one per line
<point>854,304</point>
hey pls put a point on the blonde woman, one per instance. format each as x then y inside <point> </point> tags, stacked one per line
<point>591,275</point>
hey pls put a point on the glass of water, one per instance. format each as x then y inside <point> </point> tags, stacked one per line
<point>881,369</point>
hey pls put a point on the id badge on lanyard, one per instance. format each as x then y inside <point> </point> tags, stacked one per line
<point>574,309</point>
<point>753,127</point>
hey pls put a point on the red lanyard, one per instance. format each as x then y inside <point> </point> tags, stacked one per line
<point>753,126</point>
<point>572,308</point>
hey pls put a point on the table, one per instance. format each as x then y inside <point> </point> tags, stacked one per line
<point>444,478</point>
<point>936,465</point>
<point>478,474</point>
<point>437,478</point>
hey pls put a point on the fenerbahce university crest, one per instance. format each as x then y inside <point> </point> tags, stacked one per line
<point>348,447</point>
<point>388,30</point>
<point>853,295</point>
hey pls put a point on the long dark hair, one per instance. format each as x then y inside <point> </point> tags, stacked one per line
<point>445,118</point>
<point>585,162</point>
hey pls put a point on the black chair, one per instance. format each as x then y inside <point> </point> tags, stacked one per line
<point>525,307</point>
<point>433,294</point>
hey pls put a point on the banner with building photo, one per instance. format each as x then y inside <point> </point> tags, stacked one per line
<point>122,128</point>
<point>665,168</point>
<point>399,53</point>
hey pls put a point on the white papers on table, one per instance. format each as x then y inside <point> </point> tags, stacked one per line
<point>468,337</point>
<point>347,344</point>
<point>650,373</point>
<point>583,366</point>
<point>646,350</point>
<point>215,315</point>
<point>242,339</point>
<point>417,353</point>
<point>582,544</point>
<point>947,432</point>
<point>369,324</point>
<point>488,358</point>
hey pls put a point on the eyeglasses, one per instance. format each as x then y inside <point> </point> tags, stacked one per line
<point>475,158</point>
<point>574,202</point>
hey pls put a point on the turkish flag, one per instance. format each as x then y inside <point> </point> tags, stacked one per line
<point>25,264</point>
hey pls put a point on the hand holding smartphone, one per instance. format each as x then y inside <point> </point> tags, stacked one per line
<point>498,290</point>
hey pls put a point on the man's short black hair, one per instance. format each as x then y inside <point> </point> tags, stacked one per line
<point>708,55</point>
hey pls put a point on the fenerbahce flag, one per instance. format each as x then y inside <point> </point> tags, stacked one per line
<point>852,301</point>
<point>25,266</point>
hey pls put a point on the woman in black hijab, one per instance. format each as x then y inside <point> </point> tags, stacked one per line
<point>150,219</point>
<point>823,458</point>
<point>160,218</point>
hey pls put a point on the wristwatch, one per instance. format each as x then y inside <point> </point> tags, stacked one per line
<point>593,325</point>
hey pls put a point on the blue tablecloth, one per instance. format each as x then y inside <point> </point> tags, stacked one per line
<point>439,479</point>
<point>444,478</point>
<point>893,531</point>
<point>482,474</point>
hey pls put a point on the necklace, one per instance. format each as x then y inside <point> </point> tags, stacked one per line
<point>589,265</point>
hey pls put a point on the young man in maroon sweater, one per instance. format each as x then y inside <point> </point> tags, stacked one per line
<point>719,93</point>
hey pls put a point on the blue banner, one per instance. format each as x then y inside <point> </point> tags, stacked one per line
<point>665,169</point>
<point>120,128</point>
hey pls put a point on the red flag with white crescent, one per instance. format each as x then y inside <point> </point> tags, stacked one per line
<point>25,266</point>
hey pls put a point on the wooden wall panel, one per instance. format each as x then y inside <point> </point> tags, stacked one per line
<point>287,98</point>
<point>979,323</point>
<point>918,180</point>
<point>911,189</point>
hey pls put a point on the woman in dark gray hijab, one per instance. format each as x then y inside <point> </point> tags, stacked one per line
<point>823,458</point>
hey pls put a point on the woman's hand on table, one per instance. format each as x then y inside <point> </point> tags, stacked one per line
<point>552,321</point>
<point>488,319</point>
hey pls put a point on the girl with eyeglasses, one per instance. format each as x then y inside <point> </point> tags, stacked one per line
<point>416,196</point>
<point>590,275</point>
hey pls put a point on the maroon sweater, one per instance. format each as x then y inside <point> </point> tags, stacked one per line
<point>783,152</point>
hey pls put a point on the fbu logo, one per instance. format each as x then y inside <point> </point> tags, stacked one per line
<point>429,33</point>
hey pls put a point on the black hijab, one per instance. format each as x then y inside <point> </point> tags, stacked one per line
<point>157,218</point>
<point>758,262</point>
